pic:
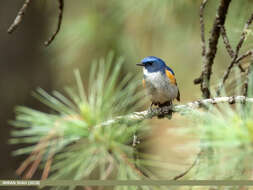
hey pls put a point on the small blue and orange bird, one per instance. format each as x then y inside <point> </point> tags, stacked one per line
<point>160,81</point>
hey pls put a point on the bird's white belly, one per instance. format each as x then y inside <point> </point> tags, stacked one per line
<point>159,87</point>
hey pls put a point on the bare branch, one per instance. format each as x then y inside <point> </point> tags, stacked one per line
<point>202,30</point>
<point>202,26</point>
<point>19,17</point>
<point>228,46</point>
<point>234,61</point>
<point>212,48</point>
<point>60,14</point>
<point>243,35</point>
<point>226,41</point>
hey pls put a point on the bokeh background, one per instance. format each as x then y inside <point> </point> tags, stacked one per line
<point>91,29</point>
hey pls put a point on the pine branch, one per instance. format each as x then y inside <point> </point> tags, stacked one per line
<point>148,114</point>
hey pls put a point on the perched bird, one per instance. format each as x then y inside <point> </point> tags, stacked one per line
<point>160,81</point>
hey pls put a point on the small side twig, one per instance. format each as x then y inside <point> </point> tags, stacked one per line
<point>202,27</point>
<point>19,17</point>
<point>243,56</point>
<point>60,15</point>
<point>246,83</point>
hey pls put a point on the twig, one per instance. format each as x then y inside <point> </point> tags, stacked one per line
<point>202,36</point>
<point>39,148</point>
<point>228,46</point>
<point>202,26</point>
<point>19,17</point>
<point>238,47</point>
<point>212,48</point>
<point>60,14</point>
<point>35,165</point>
<point>226,41</point>
<point>243,56</point>
<point>189,169</point>
<point>148,114</point>
<point>37,153</point>
<point>49,161</point>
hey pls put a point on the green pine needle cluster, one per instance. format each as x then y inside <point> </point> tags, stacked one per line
<point>226,136</point>
<point>70,142</point>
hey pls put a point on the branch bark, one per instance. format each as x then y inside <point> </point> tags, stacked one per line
<point>22,11</point>
<point>19,17</point>
<point>235,60</point>
<point>148,114</point>
<point>60,15</point>
<point>204,79</point>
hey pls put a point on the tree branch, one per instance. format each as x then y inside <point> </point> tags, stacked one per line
<point>234,61</point>
<point>212,48</point>
<point>228,46</point>
<point>22,11</point>
<point>19,17</point>
<point>60,14</point>
<point>202,27</point>
<point>226,41</point>
<point>148,114</point>
<point>202,35</point>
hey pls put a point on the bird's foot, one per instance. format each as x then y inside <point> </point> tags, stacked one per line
<point>165,112</point>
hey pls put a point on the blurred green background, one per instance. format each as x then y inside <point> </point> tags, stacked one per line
<point>168,29</point>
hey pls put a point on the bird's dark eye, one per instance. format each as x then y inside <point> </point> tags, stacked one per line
<point>150,63</point>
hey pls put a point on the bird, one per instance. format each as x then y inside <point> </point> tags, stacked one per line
<point>160,82</point>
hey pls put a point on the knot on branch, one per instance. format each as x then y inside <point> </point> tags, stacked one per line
<point>198,80</point>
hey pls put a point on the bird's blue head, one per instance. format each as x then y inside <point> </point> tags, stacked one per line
<point>153,64</point>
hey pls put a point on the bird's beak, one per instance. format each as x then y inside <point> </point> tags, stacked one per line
<point>139,64</point>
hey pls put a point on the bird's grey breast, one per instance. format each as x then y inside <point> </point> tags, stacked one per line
<point>159,87</point>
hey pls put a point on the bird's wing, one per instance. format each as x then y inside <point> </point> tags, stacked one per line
<point>170,74</point>
<point>143,83</point>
